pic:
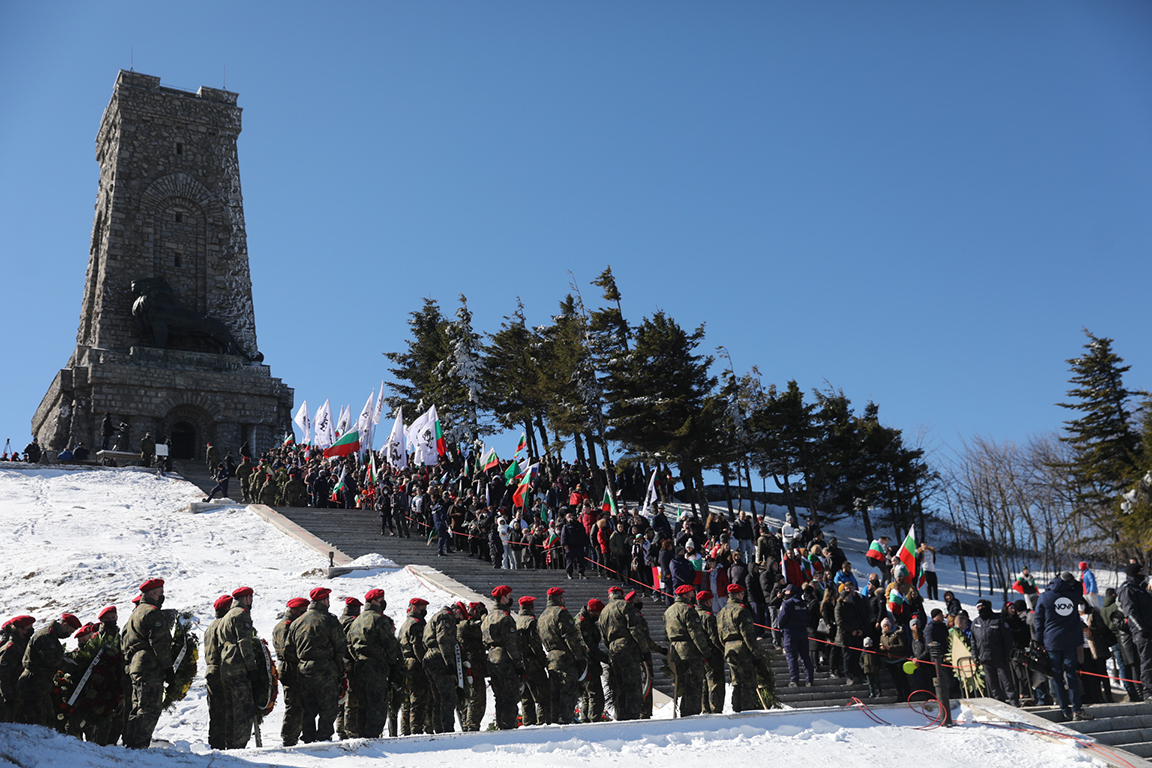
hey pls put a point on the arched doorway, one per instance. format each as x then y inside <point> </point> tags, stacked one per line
<point>184,440</point>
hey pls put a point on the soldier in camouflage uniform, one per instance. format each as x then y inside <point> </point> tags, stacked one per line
<point>43,658</point>
<point>241,662</point>
<point>689,647</point>
<point>734,624</point>
<point>592,700</point>
<point>637,601</point>
<point>714,689</point>
<point>475,698</point>
<point>295,492</point>
<point>16,632</point>
<point>290,731</point>
<point>147,645</point>
<point>219,720</point>
<point>626,637</point>
<point>441,653</point>
<point>567,658</point>
<point>352,606</point>
<point>376,659</point>
<point>505,661</point>
<point>106,730</point>
<point>317,647</point>
<point>535,698</point>
<point>244,472</point>
<point>416,716</point>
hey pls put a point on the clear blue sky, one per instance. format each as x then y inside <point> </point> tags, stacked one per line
<point>920,203</point>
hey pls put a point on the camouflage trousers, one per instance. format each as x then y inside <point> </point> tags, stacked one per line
<point>366,711</point>
<point>415,714</point>
<point>241,709</point>
<point>624,668</point>
<point>147,698</point>
<point>592,694</point>
<point>689,676</point>
<point>320,700</point>
<point>714,690</point>
<point>290,730</point>
<point>218,715</point>
<point>742,668</point>
<point>472,704</point>
<point>442,683</point>
<point>564,684</point>
<point>535,699</point>
<point>505,688</point>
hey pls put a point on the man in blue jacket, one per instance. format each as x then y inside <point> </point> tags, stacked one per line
<point>1060,633</point>
<point>793,620</point>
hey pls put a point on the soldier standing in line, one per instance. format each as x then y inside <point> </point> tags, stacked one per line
<point>475,698</point>
<point>441,657</point>
<point>16,632</point>
<point>376,659</point>
<point>416,716</point>
<point>293,706</point>
<point>219,720</point>
<point>637,601</point>
<point>714,690</point>
<point>505,661</point>
<point>592,703</point>
<point>317,647</point>
<point>241,659</point>
<point>535,698</point>
<point>352,606</point>
<point>109,726</point>
<point>211,457</point>
<point>734,624</point>
<point>567,658</point>
<point>244,474</point>
<point>147,644</point>
<point>689,647</point>
<point>43,658</point>
<point>626,638</point>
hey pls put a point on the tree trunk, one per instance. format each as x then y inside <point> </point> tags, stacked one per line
<point>700,492</point>
<point>751,493</point>
<point>724,473</point>
<point>579,449</point>
<point>867,525</point>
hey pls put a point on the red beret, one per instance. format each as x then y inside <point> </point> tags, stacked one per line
<point>735,589</point>
<point>353,601</point>
<point>136,600</point>
<point>373,594</point>
<point>554,591</point>
<point>106,611</point>
<point>502,591</point>
<point>527,600</point>
<point>320,593</point>
<point>703,595</point>
<point>298,602</point>
<point>615,589</point>
<point>475,606</point>
<point>463,608</point>
<point>70,620</point>
<point>595,605</point>
<point>151,584</point>
<point>685,589</point>
<point>242,592</point>
<point>19,621</point>
<point>87,629</point>
<point>631,595</point>
<point>222,602</point>
<point>416,601</point>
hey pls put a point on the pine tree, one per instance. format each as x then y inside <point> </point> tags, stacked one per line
<point>1105,446</point>
<point>461,378</point>
<point>512,387</point>
<point>417,383</point>
<point>786,436</point>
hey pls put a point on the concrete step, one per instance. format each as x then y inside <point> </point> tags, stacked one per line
<point>1117,737</point>
<point>1143,748</point>
<point>1122,723</point>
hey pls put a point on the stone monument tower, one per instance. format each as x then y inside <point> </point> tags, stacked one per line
<point>167,338</point>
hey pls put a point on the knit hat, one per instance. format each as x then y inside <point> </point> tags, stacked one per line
<point>867,642</point>
<point>1083,565</point>
<point>1066,576</point>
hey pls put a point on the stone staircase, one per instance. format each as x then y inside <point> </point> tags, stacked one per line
<point>357,532</point>
<point>1126,726</point>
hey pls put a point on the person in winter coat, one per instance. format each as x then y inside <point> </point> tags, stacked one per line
<point>1060,633</point>
<point>43,658</point>
<point>894,649</point>
<point>1025,584</point>
<point>1137,606</point>
<point>1099,641</point>
<point>574,539</point>
<point>1124,651</point>
<point>793,621</point>
<point>1088,581</point>
<point>850,631</point>
<point>992,646</point>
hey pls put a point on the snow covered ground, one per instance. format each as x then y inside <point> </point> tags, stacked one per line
<point>80,540</point>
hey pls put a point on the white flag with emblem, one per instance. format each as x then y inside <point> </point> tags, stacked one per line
<point>304,422</point>
<point>396,449</point>
<point>325,435</point>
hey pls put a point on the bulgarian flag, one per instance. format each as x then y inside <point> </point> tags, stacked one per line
<point>340,485</point>
<point>441,445</point>
<point>896,601</point>
<point>490,459</point>
<point>372,467</point>
<point>609,503</point>
<point>908,554</point>
<point>875,553</point>
<point>512,471</point>
<point>525,485</point>
<point>349,443</point>
<point>523,443</point>
<point>289,440</point>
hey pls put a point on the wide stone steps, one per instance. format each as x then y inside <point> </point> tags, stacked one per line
<point>357,533</point>
<point>1126,726</point>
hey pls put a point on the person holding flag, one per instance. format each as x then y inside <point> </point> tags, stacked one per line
<point>877,557</point>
